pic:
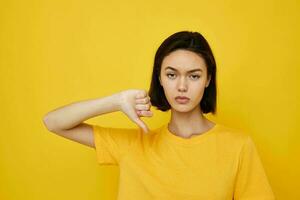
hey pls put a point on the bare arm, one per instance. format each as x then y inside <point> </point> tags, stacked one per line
<point>67,121</point>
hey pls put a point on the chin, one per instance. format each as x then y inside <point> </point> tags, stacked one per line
<point>189,107</point>
<point>182,108</point>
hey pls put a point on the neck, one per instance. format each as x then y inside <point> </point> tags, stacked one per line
<point>187,124</point>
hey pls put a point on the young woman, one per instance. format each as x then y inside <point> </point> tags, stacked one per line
<point>190,157</point>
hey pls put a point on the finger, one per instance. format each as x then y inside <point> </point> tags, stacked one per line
<point>138,96</point>
<point>142,100</point>
<point>146,131</point>
<point>141,94</point>
<point>142,125</point>
<point>145,113</point>
<point>139,113</point>
<point>142,106</point>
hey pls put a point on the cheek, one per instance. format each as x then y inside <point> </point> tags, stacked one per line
<point>167,84</point>
<point>197,90</point>
<point>197,85</point>
<point>171,90</point>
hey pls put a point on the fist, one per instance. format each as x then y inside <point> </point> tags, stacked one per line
<point>136,103</point>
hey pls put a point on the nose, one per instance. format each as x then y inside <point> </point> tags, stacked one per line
<point>182,85</point>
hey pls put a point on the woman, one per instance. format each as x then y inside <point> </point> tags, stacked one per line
<point>189,157</point>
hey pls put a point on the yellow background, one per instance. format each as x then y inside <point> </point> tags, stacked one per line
<point>56,52</point>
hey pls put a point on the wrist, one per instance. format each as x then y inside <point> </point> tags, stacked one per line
<point>117,100</point>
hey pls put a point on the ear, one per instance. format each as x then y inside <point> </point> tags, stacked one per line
<point>159,80</point>
<point>208,81</point>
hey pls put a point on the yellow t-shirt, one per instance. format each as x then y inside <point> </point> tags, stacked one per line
<point>220,164</point>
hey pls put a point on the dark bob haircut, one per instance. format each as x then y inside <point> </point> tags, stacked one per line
<point>192,41</point>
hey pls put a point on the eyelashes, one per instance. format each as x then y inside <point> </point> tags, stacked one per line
<point>195,77</point>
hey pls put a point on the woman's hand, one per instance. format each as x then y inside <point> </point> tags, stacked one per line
<point>136,103</point>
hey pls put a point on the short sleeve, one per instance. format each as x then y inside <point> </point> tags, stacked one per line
<point>112,143</point>
<point>251,181</point>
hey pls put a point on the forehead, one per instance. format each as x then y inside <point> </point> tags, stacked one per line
<point>183,60</point>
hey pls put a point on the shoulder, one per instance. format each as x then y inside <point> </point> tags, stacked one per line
<point>233,135</point>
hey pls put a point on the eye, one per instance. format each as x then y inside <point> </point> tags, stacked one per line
<point>170,74</point>
<point>196,76</point>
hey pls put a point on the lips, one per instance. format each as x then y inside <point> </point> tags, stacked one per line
<point>182,97</point>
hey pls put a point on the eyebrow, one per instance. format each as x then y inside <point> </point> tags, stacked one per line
<point>193,70</point>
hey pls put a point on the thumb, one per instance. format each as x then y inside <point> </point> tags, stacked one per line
<point>142,125</point>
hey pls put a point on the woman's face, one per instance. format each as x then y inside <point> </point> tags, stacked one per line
<point>177,79</point>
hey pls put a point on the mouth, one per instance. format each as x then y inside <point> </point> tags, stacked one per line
<point>182,99</point>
